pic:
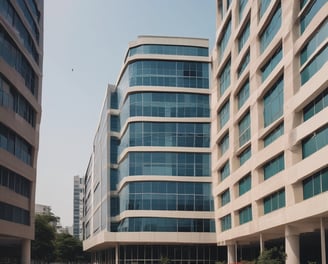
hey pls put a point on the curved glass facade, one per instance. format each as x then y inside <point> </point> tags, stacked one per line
<point>159,195</point>
<point>162,224</point>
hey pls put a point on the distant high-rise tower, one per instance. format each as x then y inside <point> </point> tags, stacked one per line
<point>21,55</point>
<point>148,184</point>
<point>270,128</point>
<point>78,206</point>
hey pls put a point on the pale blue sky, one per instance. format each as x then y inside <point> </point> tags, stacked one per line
<point>91,37</point>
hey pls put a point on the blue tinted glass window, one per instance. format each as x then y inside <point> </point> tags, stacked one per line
<point>244,36</point>
<point>274,166</point>
<point>225,38</point>
<point>224,144</point>
<point>244,185</point>
<point>315,106</point>
<point>245,215</point>
<point>245,155</point>
<point>315,184</point>
<point>243,64</point>
<point>225,222</point>
<point>271,29</point>
<point>224,114</point>
<point>14,214</point>
<point>242,5</point>
<point>315,142</point>
<point>243,94</point>
<point>225,78</point>
<point>225,197</point>
<point>274,103</point>
<point>263,6</point>
<point>272,136</point>
<point>225,171</point>
<point>244,129</point>
<point>271,64</point>
<point>311,11</point>
<point>274,201</point>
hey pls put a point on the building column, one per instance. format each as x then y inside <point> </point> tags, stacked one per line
<point>323,241</point>
<point>116,254</point>
<point>232,254</point>
<point>261,243</point>
<point>26,251</point>
<point>292,244</point>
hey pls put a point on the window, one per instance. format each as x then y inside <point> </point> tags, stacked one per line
<point>272,136</point>
<point>225,78</point>
<point>315,142</point>
<point>274,166</point>
<point>224,144</point>
<point>243,36</point>
<point>315,106</point>
<point>311,11</point>
<point>244,129</point>
<point>315,184</point>
<point>224,114</point>
<point>263,6</point>
<point>271,64</point>
<point>225,171</point>
<point>14,214</point>
<point>226,222</point>
<point>274,103</point>
<point>114,123</point>
<point>271,29</point>
<point>244,184</point>
<point>303,3</point>
<point>314,65</point>
<point>245,215</point>
<point>274,201</point>
<point>245,155</point>
<point>225,38</point>
<point>243,64</point>
<point>225,197</point>
<point>243,94</point>
<point>242,5</point>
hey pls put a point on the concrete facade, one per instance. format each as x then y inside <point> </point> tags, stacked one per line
<point>21,55</point>
<point>277,175</point>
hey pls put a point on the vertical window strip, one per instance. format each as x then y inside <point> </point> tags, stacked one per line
<point>226,222</point>
<point>225,78</point>
<point>243,94</point>
<point>271,64</point>
<point>274,201</point>
<point>315,106</point>
<point>225,171</point>
<point>315,142</point>
<point>245,155</point>
<point>271,29</point>
<point>243,64</point>
<point>264,6</point>
<point>276,133</point>
<point>225,38</point>
<point>244,36</point>
<point>244,184</point>
<point>224,114</point>
<point>311,11</point>
<point>225,197</point>
<point>273,103</point>
<point>224,144</point>
<point>245,215</point>
<point>274,166</point>
<point>242,5</point>
<point>244,129</point>
<point>315,184</point>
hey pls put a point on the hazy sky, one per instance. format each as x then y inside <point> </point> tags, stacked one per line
<point>84,46</point>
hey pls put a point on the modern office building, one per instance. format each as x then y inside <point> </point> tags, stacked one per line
<point>270,128</point>
<point>78,206</point>
<point>148,195</point>
<point>21,53</point>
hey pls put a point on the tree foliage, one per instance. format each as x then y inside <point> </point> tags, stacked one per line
<point>272,256</point>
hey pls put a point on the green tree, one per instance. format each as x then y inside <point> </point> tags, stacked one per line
<point>272,256</point>
<point>68,248</point>
<point>43,246</point>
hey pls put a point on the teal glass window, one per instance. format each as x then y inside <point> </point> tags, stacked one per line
<point>225,38</point>
<point>114,143</point>
<point>244,129</point>
<point>225,222</point>
<point>274,166</point>
<point>224,144</point>
<point>315,142</point>
<point>311,46</point>
<point>314,65</point>
<point>271,29</point>
<point>274,103</point>
<point>264,6</point>
<point>245,215</point>
<point>168,50</point>
<point>114,123</point>
<point>315,184</point>
<point>225,197</point>
<point>225,171</point>
<point>303,3</point>
<point>245,155</point>
<point>272,136</point>
<point>271,64</point>
<point>243,36</point>
<point>243,64</point>
<point>274,201</point>
<point>242,5</point>
<point>14,214</point>
<point>224,114</point>
<point>245,184</point>
<point>311,11</point>
<point>315,106</point>
<point>225,78</point>
<point>243,94</point>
